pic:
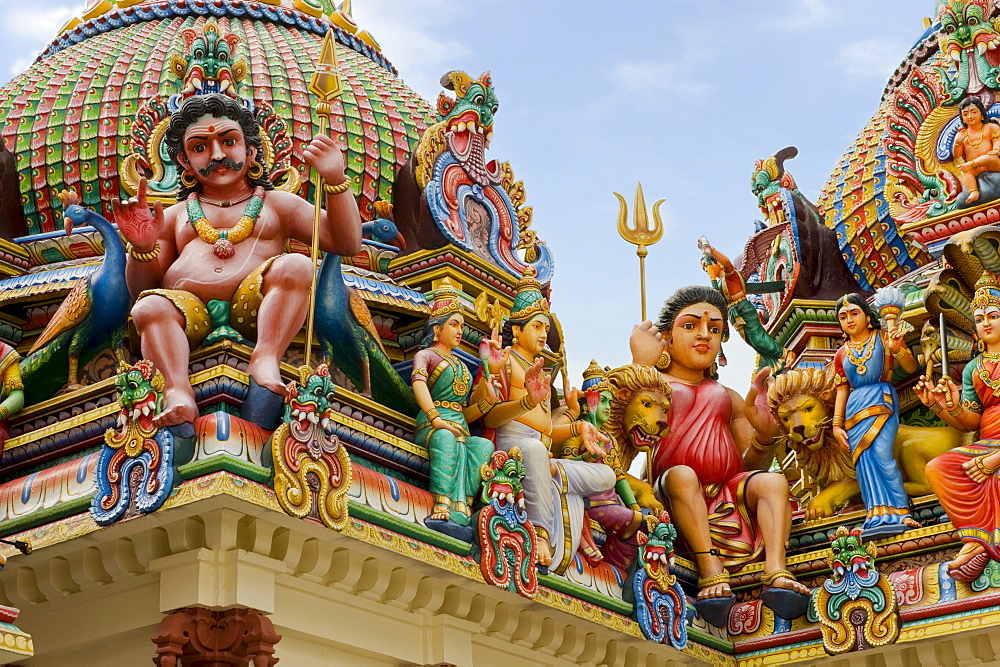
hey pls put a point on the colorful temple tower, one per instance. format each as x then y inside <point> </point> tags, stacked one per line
<point>357,513</point>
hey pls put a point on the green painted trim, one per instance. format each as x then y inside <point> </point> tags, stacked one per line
<point>390,522</point>
<point>576,590</point>
<point>705,639</point>
<point>48,515</point>
<point>225,462</point>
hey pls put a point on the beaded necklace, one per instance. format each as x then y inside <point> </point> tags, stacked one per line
<point>460,377</point>
<point>225,240</point>
<point>987,376</point>
<point>860,353</point>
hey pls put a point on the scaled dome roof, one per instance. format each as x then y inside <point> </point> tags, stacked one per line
<point>68,117</point>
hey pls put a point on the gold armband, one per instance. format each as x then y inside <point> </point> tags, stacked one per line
<point>143,256</point>
<point>343,186</point>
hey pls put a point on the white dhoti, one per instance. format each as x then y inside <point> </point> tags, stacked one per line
<point>556,503</point>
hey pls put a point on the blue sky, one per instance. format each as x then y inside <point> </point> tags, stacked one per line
<point>683,96</point>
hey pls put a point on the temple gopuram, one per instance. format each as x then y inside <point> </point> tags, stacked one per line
<point>279,378</point>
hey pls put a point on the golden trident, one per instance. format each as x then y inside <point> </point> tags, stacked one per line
<point>325,84</point>
<point>641,234</point>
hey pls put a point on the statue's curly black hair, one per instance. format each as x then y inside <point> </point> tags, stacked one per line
<point>689,296</point>
<point>218,106</point>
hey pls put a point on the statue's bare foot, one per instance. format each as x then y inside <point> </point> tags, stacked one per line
<point>179,407</point>
<point>267,374</point>
<point>966,554</point>
<point>543,552</point>
<point>973,196</point>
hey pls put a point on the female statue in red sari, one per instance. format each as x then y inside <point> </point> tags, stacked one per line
<point>965,478</point>
<point>710,467</point>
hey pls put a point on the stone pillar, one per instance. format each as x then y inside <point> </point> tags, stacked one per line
<point>200,637</point>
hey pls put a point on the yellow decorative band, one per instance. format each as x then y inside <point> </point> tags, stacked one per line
<point>540,307</point>
<point>343,186</point>
<point>451,405</point>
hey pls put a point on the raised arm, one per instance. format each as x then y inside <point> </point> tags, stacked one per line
<point>340,223</point>
<point>151,244</point>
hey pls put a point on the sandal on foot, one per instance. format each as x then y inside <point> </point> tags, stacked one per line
<point>715,611</point>
<point>784,602</point>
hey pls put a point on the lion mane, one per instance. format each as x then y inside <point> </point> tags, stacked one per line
<point>625,382</point>
<point>831,462</point>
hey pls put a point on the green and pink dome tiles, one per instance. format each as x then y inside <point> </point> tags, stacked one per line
<point>69,118</point>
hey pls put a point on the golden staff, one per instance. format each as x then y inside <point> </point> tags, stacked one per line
<point>325,84</point>
<point>641,233</point>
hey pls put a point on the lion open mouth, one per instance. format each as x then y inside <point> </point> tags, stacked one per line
<point>641,439</point>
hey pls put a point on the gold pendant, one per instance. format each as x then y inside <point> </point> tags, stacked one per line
<point>862,369</point>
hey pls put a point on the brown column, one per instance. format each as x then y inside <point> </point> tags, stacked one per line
<point>199,637</point>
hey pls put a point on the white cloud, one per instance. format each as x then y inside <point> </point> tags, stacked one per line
<point>34,26</point>
<point>806,14</point>
<point>646,76</point>
<point>869,59</point>
<point>416,38</point>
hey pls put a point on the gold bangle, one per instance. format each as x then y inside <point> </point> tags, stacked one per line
<point>957,411</point>
<point>760,446</point>
<point>343,186</point>
<point>143,256</point>
<point>936,408</point>
<point>574,429</point>
<point>524,403</point>
<point>4,412</point>
<point>899,355</point>
<point>484,405</point>
<point>838,420</point>
<point>432,414</point>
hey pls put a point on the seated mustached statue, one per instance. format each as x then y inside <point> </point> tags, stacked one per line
<point>726,511</point>
<point>225,241</point>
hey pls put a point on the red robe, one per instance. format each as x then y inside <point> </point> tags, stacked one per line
<point>973,507</point>
<point>700,439</point>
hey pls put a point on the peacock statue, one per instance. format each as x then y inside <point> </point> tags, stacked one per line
<point>347,331</point>
<point>93,314</point>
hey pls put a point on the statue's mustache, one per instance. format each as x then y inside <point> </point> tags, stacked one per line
<point>227,162</point>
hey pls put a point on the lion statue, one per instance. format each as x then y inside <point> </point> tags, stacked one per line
<point>802,402</point>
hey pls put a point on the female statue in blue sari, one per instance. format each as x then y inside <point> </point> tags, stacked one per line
<point>866,413</point>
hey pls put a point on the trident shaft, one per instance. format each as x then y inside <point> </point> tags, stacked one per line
<point>325,84</point>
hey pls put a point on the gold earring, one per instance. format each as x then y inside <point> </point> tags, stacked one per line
<point>188,180</point>
<point>663,363</point>
<point>256,170</point>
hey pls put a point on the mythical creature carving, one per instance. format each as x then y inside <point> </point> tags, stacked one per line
<point>856,606</point>
<point>506,537</point>
<point>660,603</point>
<point>135,469</point>
<point>802,401</point>
<point>969,37</point>
<point>312,471</point>
<point>449,193</point>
